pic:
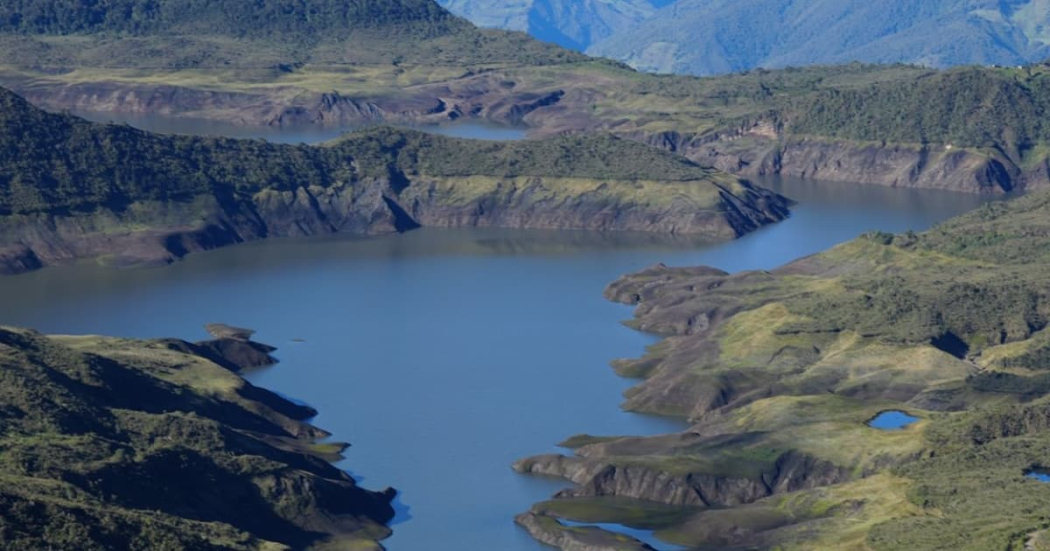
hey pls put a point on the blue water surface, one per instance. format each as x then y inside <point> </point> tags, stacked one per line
<point>892,420</point>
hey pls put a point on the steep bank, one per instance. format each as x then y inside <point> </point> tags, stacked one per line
<point>799,122</point>
<point>76,190</point>
<point>116,443</point>
<point>781,371</point>
<point>760,151</point>
<point>975,129</point>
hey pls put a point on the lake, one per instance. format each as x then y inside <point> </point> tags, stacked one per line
<point>445,355</point>
<point>308,134</point>
<point>892,420</point>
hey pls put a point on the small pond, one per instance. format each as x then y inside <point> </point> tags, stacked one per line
<point>892,420</point>
<point>1038,473</point>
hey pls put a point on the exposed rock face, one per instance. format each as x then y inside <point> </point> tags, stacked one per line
<point>760,152</point>
<point>481,98</point>
<point>599,475</point>
<point>550,531</point>
<point>234,349</point>
<point>752,151</point>
<point>369,207</point>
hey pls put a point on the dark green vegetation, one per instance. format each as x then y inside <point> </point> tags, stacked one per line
<point>780,372</point>
<point>971,129</point>
<point>144,17</point>
<point>709,37</point>
<point>70,189</point>
<point>279,35</point>
<point>120,444</point>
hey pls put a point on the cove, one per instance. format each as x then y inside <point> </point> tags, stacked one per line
<point>892,420</point>
<point>445,356</point>
<point>310,134</point>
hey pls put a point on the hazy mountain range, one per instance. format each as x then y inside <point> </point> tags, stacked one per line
<point>717,36</point>
<point>575,24</point>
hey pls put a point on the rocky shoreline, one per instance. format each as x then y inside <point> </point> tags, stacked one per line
<point>779,373</point>
<point>219,192</point>
<point>755,150</point>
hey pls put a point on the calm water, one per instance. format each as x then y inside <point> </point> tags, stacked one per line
<point>892,420</point>
<point>1042,475</point>
<point>444,356</point>
<point>294,135</point>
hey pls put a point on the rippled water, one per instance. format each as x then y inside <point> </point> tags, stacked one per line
<point>444,356</point>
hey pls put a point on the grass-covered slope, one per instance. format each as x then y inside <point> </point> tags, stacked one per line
<point>781,371</point>
<point>303,20</point>
<point>120,444</point>
<point>70,189</point>
<point>317,62</point>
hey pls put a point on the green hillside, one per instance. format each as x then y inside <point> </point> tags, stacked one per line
<point>198,33</point>
<point>121,444</point>
<point>789,366</point>
<point>71,190</point>
<point>304,20</point>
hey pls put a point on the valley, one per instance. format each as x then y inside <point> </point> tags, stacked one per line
<point>837,272</point>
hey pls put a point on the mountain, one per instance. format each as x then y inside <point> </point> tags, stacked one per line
<point>70,189</point>
<point>574,24</point>
<point>967,129</point>
<point>705,37</point>
<point>123,444</point>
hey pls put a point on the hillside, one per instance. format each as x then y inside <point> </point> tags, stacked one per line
<point>781,372</point>
<point>572,24</point>
<point>705,37</point>
<point>120,444</point>
<point>70,189</point>
<point>185,34</point>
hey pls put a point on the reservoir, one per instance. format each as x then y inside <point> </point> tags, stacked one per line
<point>445,355</point>
<point>308,134</point>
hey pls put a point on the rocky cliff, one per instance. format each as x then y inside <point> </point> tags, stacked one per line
<point>760,151</point>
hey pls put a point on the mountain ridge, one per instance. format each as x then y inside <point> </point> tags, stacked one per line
<point>706,37</point>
